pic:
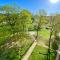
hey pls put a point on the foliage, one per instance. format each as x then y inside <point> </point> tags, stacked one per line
<point>14,27</point>
<point>54,45</point>
<point>40,20</point>
<point>36,53</point>
<point>25,19</point>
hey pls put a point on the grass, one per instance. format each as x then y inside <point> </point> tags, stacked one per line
<point>12,55</point>
<point>44,33</point>
<point>37,56</point>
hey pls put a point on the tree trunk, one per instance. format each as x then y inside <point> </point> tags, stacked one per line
<point>51,31</point>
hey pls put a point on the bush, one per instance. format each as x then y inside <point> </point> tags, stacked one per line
<point>54,45</point>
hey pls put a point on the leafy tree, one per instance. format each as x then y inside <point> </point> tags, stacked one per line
<point>11,16</point>
<point>54,30</point>
<point>25,20</point>
<point>40,20</point>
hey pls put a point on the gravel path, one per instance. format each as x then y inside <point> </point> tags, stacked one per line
<point>28,53</point>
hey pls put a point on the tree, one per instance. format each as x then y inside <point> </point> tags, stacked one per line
<point>25,19</point>
<point>40,20</point>
<point>11,16</point>
<point>54,30</point>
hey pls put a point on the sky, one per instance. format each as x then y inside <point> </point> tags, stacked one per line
<point>51,6</point>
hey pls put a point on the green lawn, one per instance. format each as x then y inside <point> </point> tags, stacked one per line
<point>44,33</point>
<point>36,56</point>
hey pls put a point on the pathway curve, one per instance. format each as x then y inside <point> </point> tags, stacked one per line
<point>28,53</point>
